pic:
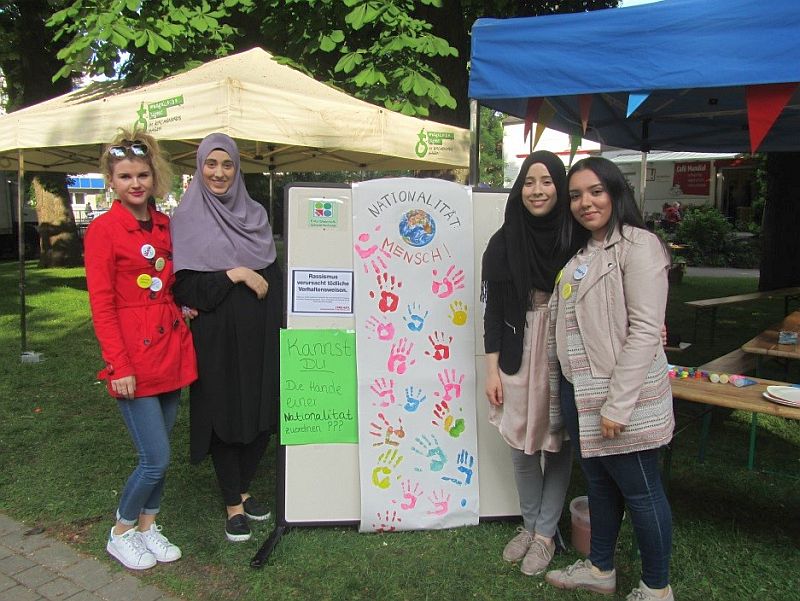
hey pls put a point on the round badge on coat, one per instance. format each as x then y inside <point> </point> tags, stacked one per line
<point>160,263</point>
<point>156,284</point>
<point>144,280</point>
<point>148,252</point>
<point>566,291</point>
<point>580,272</point>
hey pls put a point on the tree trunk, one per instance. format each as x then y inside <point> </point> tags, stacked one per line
<point>780,267</point>
<point>58,236</point>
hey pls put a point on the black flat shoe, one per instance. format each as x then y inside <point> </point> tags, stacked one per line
<point>255,510</point>
<point>236,528</point>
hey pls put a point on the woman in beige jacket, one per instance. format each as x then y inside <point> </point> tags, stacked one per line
<point>609,383</point>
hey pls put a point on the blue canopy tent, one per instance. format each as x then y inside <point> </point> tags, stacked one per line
<point>696,64</point>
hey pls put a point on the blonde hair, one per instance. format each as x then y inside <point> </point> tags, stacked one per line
<point>155,157</point>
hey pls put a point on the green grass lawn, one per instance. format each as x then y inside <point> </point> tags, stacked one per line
<point>64,454</point>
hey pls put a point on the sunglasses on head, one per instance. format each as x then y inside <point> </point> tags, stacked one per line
<point>135,148</point>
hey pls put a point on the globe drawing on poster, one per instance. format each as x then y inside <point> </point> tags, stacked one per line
<point>417,228</point>
<point>413,257</point>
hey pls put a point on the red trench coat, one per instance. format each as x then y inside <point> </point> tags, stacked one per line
<point>137,323</point>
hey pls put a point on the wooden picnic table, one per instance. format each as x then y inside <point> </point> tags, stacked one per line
<point>710,304</point>
<point>746,398</point>
<point>766,343</point>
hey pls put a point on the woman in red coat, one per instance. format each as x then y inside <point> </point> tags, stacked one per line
<point>146,345</point>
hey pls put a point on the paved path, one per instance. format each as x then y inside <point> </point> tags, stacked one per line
<point>36,567</point>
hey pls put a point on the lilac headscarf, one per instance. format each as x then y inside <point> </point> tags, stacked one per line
<point>217,232</point>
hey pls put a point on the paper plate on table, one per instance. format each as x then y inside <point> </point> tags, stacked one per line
<point>787,393</point>
<point>780,401</point>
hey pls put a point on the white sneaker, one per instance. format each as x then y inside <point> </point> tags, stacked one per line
<point>158,544</point>
<point>128,548</point>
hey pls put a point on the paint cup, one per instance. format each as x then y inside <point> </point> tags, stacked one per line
<point>581,528</point>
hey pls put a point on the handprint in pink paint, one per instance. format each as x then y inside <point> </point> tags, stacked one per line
<point>444,419</point>
<point>415,319</point>
<point>387,463</point>
<point>387,522</point>
<point>399,354</point>
<point>371,255</point>
<point>388,300</point>
<point>441,345</point>
<point>458,313</point>
<point>451,385</point>
<point>386,432</point>
<point>385,391</point>
<point>384,330</point>
<point>440,501</point>
<point>411,493</point>
<point>453,280</point>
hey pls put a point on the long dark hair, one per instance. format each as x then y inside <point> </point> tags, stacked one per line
<point>623,205</point>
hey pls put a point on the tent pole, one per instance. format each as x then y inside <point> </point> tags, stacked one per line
<point>474,142</point>
<point>21,250</point>
<point>642,182</point>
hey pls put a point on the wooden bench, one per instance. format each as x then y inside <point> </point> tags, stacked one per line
<point>735,362</point>
<point>709,305</point>
<point>747,398</point>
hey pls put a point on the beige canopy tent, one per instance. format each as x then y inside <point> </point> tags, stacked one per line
<point>282,120</point>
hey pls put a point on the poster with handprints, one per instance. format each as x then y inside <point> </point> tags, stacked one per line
<point>414,283</point>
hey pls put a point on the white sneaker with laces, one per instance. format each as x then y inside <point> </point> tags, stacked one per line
<point>129,549</point>
<point>159,545</point>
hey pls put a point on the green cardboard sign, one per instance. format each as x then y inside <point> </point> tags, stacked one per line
<point>318,387</point>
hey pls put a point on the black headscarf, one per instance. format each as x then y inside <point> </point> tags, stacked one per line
<point>525,249</point>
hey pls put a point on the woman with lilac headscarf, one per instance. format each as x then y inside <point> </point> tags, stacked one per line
<point>225,268</point>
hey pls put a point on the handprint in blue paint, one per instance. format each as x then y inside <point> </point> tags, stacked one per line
<point>414,399</point>
<point>466,464</point>
<point>430,449</point>
<point>415,320</point>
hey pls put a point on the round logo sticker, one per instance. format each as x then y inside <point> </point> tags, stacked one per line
<point>160,263</point>
<point>144,280</point>
<point>156,284</point>
<point>566,291</point>
<point>148,252</point>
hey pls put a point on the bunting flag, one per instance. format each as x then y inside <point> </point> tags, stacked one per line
<point>585,103</point>
<point>546,112</point>
<point>635,100</point>
<point>764,105</point>
<point>574,142</point>
<point>531,115</point>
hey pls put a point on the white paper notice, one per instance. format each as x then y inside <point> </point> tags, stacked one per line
<point>322,292</point>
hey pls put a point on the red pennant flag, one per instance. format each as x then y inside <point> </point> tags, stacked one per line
<point>531,115</point>
<point>585,103</point>
<point>764,105</point>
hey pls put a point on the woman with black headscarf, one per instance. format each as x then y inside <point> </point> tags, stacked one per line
<point>518,274</point>
<point>225,267</point>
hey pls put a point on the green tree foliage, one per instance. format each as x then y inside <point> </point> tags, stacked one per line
<point>491,148</point>
<point>409,55</point>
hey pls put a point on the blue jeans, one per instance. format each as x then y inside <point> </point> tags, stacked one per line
<point>615,482</point>
<point>149,420</point>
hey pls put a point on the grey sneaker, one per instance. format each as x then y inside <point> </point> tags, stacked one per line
<point>581,575</point>
<point>518,546</point>
<point>129,549</point>
<point>538,557</point>
<point>642,593</point>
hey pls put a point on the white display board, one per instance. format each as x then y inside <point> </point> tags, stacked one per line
<point>321,481</point>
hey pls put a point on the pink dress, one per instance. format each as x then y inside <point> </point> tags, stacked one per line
<point>523,419</point>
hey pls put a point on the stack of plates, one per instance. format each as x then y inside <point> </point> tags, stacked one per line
<point>785,395</point>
